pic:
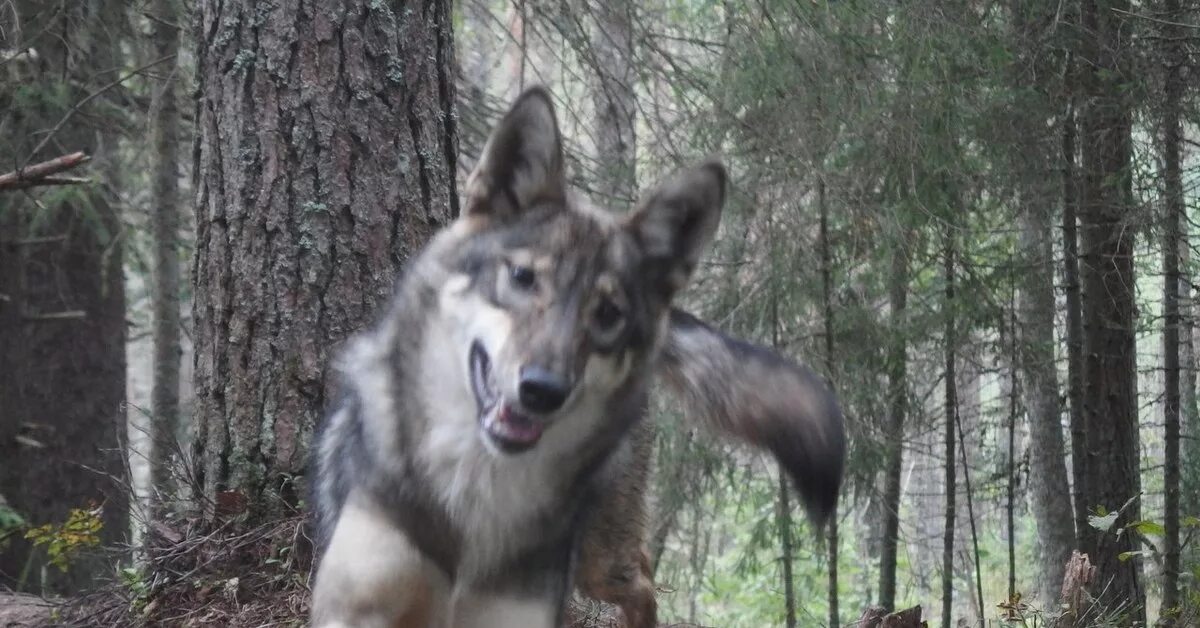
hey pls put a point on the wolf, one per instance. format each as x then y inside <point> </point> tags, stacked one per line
<point>486,453</point>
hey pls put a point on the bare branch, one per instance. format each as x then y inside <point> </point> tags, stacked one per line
<point>43,173</point>
<point>56,316</point>
<point>35,240</point>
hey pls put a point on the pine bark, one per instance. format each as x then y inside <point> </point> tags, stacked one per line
<point>62,297</point>
<point>1106,211</point>
<point>325,158</point>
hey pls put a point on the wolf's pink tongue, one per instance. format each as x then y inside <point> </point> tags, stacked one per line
<point>518,427</point>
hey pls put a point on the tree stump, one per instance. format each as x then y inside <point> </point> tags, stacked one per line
<point>1079,574</point>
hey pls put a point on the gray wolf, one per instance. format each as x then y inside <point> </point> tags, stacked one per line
<point>482,452</point>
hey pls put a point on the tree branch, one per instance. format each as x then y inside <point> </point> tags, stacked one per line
<point>43,173</point>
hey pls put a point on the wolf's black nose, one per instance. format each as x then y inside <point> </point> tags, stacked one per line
<point>542,391</point>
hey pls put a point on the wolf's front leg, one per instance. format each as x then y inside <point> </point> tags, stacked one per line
<point>528,592</point>
<point>483,610</point>
<point>371,575</point>
<point>613,564</point>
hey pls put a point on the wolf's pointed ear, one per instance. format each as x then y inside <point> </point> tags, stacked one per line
<point>522,162</point>
<point>677,221</point>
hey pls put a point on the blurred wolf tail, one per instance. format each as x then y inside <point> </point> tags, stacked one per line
<point>759,397</point>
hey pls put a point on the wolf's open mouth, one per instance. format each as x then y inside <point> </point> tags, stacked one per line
<point>511,430</point>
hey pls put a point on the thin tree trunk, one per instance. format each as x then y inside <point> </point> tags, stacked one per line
<point>694,561</point>
<point>962,454</point>
<point>898,400</point>
<point>1074,313</point>
<point>1174,57</point>
<point>827,299</point>
<point>785,543</point>
<point>1032,305</point>
<point>523,15</point>
<point>1189,428</point>
<point>1189,414</point>
<point>785,504</point>
<point>164,225</point>
<point>1011,480</point>
<point>614,102</point>
<point>1110,394</point>
<point>325,157</point>
<point>1048,471</point>
<point>951,412</point>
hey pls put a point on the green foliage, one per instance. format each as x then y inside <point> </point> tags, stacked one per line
<point>64,541</point>
<point>11,523</point>
<point>134,581</point>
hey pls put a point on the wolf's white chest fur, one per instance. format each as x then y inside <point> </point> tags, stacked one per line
<point>494,499</point>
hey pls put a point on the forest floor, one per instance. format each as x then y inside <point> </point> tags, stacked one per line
<point>229,576</point>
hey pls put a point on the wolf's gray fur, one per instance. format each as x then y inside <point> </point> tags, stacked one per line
<point>488,411</point>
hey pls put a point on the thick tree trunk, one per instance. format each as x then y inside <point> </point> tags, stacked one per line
<point>164,225</point>
<point>62,298</point>
<point>1174,210</point>
<point>898,400</point>
<point>1110,408</point>
<point>325,158</point>
<point>951,412</point>
<point>1047,460</point>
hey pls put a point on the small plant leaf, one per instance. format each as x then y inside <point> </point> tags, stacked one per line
<point>1103,523</point>
<point>1149,527</point>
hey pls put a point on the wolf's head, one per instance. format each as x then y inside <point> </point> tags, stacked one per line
<point>550,307</point>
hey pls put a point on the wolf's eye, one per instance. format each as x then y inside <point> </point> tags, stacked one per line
<point>607,315</point>
<point>522,276</point>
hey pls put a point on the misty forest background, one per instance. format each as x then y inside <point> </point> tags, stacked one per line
<point>974,217</point>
